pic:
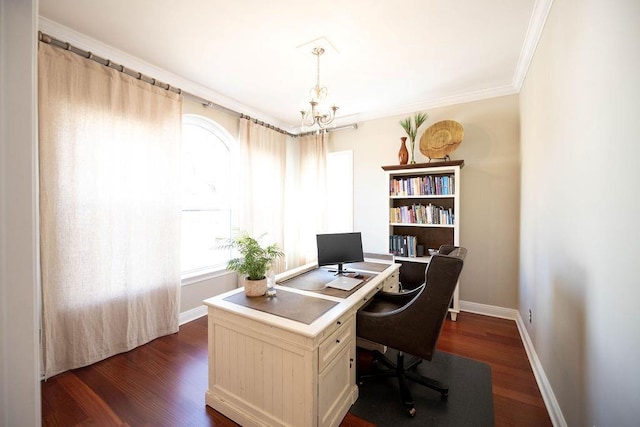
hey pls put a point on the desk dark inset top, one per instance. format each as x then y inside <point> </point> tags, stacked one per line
<point>290,305</point>
<point>317,279</point>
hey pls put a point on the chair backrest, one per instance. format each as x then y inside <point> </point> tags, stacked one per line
<point>424,316</point>
<point>441,279</point>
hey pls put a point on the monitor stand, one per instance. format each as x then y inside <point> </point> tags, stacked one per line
<point>340,271</point>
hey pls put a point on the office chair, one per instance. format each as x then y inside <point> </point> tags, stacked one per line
<point>410,322</point>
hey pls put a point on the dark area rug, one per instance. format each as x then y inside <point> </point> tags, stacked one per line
<point>470,401</point>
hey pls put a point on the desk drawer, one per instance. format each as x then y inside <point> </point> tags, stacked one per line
<point>337,324</point>
<point>370,295</point>
<point>391,283</point>
<point>331,346</point>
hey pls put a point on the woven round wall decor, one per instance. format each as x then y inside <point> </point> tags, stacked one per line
<point>441,139</point>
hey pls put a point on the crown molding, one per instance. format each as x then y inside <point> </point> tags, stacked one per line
<point>539,16</point>
<point>435,103</point>
<point>538,19</point>
<point>541,10</point>
<point>105,51</point>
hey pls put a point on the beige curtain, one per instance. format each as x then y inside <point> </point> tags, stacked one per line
<point>109,210</point>
<point>306,205</point>
<point>262,169</point>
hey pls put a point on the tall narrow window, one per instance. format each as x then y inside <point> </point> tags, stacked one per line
<point>207,184</point>
<point>340,182</point>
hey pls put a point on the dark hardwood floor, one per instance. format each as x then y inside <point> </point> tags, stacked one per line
<point>163,383</point>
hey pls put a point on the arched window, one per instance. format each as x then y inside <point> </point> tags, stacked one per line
<point>207,182</point>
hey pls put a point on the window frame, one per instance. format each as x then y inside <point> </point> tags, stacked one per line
<point>204,273</point>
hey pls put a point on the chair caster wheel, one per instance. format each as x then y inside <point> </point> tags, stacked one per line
<point>412,412</point>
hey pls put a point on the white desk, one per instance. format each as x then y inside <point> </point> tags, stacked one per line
<point>265,369</point>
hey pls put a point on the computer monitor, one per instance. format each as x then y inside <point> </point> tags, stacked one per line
<point>339,248</point>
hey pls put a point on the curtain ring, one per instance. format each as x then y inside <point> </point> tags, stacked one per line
<point>108,64</point>
<point>67,46</point>
<point>89,55</point>
<point>122,69</point>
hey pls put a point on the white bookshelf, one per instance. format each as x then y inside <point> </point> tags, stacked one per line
<point>413,190</point>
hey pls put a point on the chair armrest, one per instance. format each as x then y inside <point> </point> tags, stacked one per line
<point>388,303</point>
<point>399,297</point>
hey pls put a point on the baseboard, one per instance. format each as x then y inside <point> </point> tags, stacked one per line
<point>550,401</point>
<point>193,314</point>
<point>489,310</point>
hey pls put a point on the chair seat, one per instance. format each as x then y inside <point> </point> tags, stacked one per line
<point>381,306</point>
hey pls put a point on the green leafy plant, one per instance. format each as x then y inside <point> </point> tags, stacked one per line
<point>255,260</point>
<point>412,129</point>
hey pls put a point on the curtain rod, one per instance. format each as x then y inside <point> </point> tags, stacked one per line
<point>353,126</point>
<point>46,38</point>
<point>267,125</point>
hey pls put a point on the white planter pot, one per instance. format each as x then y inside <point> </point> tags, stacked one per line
<point>255,288</point>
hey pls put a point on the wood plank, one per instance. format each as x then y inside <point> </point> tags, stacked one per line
<point>424,165</point>
<point>163,382</point>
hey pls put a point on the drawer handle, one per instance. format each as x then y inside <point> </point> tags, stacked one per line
<point>337,341</point>
<point>339,322</point>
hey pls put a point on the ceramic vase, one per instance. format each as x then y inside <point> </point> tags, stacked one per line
<point>255,288</point>
<point>403,154</point>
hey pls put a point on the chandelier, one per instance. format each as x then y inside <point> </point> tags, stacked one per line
<point>318,112</point>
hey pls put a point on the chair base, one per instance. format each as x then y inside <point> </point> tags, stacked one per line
<point>403,373</point>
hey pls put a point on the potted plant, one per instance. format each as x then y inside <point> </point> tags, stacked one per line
<point>253,263</point>
<point>412,130</point>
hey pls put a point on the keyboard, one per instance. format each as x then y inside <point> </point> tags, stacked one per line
<point>345,283</point>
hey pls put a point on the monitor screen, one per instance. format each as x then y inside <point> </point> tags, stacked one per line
<point>339,248</point>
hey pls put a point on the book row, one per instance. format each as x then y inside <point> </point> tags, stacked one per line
<point>422,185</point>
<point>420,214</point>
<point>403,245</point>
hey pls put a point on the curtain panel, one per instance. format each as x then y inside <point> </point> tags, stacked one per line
<point>109,154</point>
<point>283,190</point>
<point>306,197</point>
<point>263,163</point>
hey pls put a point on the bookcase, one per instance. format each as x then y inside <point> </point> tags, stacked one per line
<point>424,213</point>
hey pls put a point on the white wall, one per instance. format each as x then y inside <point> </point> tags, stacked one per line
<point>580,233</point>
<point>490,190</point>
<point>19,296</point>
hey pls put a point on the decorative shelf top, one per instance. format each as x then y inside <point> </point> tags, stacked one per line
<point>425,165</point>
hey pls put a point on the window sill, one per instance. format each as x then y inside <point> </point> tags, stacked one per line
<point>197,276</point>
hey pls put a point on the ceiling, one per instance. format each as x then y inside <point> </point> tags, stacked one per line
<point>383,57</point>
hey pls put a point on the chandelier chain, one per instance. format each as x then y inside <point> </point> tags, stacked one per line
<point>320,52</point>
